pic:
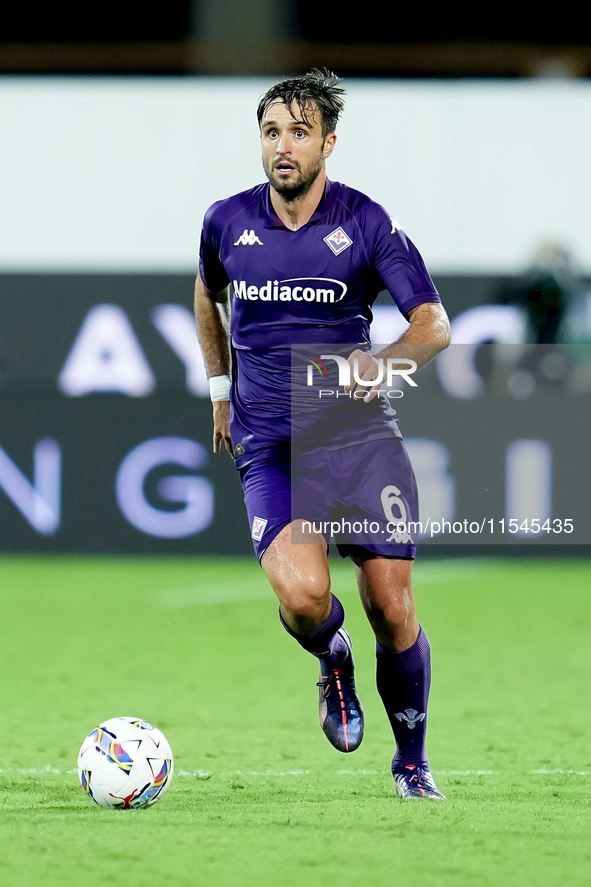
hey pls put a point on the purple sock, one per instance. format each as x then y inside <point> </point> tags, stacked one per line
<point>325,642</point>
<point>403,681</point>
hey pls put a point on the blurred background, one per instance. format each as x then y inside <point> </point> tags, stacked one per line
<point>121,125</point>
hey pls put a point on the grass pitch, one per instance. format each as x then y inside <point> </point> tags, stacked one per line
<point>259,796</point>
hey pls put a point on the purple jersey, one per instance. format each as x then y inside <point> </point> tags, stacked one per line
<point>313,285</point>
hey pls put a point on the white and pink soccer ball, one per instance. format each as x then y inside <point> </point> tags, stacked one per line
<point>125,763</point>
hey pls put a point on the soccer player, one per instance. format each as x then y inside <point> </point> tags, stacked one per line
<point>301,259</point>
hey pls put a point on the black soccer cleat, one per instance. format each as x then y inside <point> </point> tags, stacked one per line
<point>339,709</point>
<point>416,783</point>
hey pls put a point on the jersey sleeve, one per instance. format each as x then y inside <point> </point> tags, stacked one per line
<point>211,269</point>
<point>399,265</point>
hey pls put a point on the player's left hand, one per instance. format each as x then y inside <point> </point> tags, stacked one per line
<point>366,368</point>
<point>221,426</point>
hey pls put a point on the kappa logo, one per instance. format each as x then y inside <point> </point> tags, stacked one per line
<point>258,528</point>
<point>248,238</point>
<point>395,226</point>
<point>338,241</point>
<point>411,716</point>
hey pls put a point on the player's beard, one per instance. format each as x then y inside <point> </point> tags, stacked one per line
<point>296,188</point>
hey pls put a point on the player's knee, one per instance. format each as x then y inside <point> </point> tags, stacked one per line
<point>396,612</point>
<point>305,598</point>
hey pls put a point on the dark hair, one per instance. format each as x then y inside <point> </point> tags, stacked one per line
<point>318,87</point>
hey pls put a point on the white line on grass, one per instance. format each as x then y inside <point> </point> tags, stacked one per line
<point>438,772</point>
<point>207,774</point>
<point>343,581</point>
<point>213,593</point>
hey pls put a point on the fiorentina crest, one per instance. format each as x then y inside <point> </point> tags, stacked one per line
<point>258,528</point>
<point>338,241</point>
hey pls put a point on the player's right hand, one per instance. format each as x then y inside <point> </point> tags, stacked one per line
<point>367,369</point>
<point>221,425</point>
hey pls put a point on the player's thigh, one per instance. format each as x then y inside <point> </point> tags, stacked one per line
<point>266,484</point>
<point>273,498</point>
<point>298,572</point>
<point>384,487</point>
<point>378,500</point>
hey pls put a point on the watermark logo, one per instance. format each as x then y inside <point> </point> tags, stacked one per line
<point>349,375</point>
<point>315,363</point>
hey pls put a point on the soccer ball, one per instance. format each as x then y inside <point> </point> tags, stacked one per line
<point>125,763</point>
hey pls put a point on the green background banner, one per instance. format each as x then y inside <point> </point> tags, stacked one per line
<point>105,428</point>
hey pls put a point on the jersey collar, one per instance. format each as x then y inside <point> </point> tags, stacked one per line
<point>326,201</point>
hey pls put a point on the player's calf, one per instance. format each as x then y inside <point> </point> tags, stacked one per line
<point>324,640</point>
<point>403,681</point>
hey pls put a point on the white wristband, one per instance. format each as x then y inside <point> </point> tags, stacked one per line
<point>219,388</point>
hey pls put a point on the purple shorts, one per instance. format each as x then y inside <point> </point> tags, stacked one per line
<point>363,495</point>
